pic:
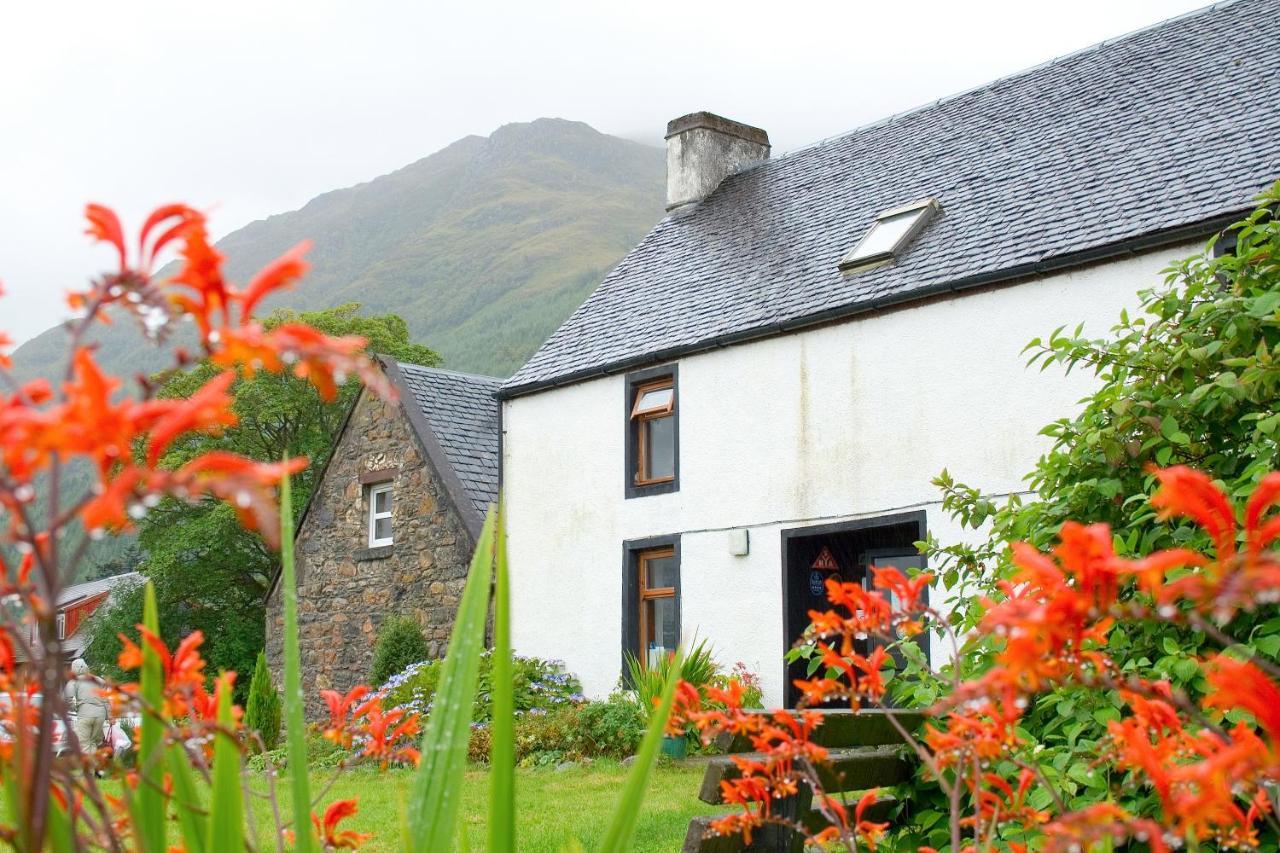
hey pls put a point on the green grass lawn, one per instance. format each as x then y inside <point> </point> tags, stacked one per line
<point>551,806</point>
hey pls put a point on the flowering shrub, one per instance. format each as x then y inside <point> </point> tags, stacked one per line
<point>188,780</point>
<point>1208,765</point>
<point>539,686</point>
<point>45,426</point>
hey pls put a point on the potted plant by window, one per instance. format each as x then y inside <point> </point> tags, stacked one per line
<point>699,669</point>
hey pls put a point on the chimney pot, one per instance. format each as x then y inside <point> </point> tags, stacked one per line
<point>703,149</point>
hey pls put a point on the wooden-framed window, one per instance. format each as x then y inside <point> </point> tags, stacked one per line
<point>651,605</point>
<point>380,515</point>
<point>659,617</point>
<point>62,626</point>
<point>653,441</point>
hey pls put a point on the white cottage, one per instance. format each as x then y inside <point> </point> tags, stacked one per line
<point>758,396</point>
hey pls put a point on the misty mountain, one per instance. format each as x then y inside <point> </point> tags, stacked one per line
<point>483,247</point>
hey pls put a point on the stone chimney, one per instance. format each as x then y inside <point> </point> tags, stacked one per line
<point>703,149</point>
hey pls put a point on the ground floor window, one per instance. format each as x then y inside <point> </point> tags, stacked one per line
<point>659,621</point>
<point>651,600</point>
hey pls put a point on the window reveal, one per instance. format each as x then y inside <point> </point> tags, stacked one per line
<point>380,515</point>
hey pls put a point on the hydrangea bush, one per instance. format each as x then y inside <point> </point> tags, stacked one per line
<point>540,686</point>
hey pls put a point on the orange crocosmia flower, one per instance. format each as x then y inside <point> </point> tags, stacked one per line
<point>907,591</point>
<point>339,712</point>
<point>330,834</point>
<point>104,225</point>
<point>1242,685</point>
<point>1257,534</point>
<point>175,218</point>
<point>279,274</point>
<point>1192,494</point>
<point>207,410</point>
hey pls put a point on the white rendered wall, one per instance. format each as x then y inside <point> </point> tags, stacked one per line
<point>845,421</point>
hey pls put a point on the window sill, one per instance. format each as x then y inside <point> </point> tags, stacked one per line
<point>660,487</point>
<point>381,552</point>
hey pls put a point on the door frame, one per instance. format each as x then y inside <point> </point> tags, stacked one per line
<point>916,517</point>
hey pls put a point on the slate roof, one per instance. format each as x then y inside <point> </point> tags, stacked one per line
<point>462,412</point>
<point>1159,135</point>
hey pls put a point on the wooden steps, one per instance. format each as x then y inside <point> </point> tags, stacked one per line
<point>867,751</point>
<point>697,840</point>
<point>857,769</point>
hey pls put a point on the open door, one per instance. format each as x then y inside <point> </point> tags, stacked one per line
<point>812,555</point>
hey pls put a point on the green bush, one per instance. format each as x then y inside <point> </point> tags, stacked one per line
<point>262,713</point>
<point>400,643</point>
<point>540,686</point>
<point>322,754</point>
<point>574,732</point>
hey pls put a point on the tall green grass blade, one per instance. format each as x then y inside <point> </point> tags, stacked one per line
<point>151,834</point>
<point>59,838</point>
<point>623,825</point>
<point>502,755</point>
<point>192,818</point>
<point>294,721</point>
<point>433,805</point>
<point>226,814</point>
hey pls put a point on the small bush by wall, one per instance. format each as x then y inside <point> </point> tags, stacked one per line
<point>262,712</point>
<point>400,643</point>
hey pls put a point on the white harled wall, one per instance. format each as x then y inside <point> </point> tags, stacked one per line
<point>840,422</point>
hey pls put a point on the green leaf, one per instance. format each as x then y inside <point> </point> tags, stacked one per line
<point>192,819</point>
<point>502,755</point>
<point>1268,645</point>
<point>294,720</point>
<point>226,814</point>
<point>623,826</point>
<point>1186,669</point>
<point>433,805</point>
<point>150,814</point>
<point>60,838</point>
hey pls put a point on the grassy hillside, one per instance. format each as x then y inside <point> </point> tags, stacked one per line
<point>483,247</point>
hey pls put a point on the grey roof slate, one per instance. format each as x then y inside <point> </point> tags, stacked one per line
<point>462,411</point>
<point>1170,127</point>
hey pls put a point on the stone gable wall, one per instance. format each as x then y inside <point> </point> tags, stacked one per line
<point>345,588</point>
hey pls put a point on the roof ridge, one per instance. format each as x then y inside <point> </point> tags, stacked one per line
<point>1013,75</point>
<point>446,372</point>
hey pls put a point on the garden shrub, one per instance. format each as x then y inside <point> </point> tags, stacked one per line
<point>571,732</point>
<point>400,643</point>
<point>262,713</point>
<point>540,686</point>
<point>1188,379</point>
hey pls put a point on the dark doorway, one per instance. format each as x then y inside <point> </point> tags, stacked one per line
<point>811,555</point>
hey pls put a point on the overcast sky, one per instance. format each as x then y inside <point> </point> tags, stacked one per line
<point>251,107</point>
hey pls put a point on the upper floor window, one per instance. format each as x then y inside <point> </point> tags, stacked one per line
<point>380,515</point>
<point>62,626</point>
<point>652,433</point>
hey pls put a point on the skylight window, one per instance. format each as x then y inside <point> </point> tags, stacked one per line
<point>890,234</point>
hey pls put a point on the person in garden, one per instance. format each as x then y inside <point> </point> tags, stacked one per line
<point>85,699</point>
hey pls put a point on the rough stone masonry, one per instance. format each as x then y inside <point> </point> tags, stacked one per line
<point>345,588</point>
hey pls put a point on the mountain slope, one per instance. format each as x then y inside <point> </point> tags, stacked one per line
<point>483,247</point>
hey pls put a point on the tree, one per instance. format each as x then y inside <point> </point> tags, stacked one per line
<point>262,713</point>
<point>211,574</point>
<point>400,643</point>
